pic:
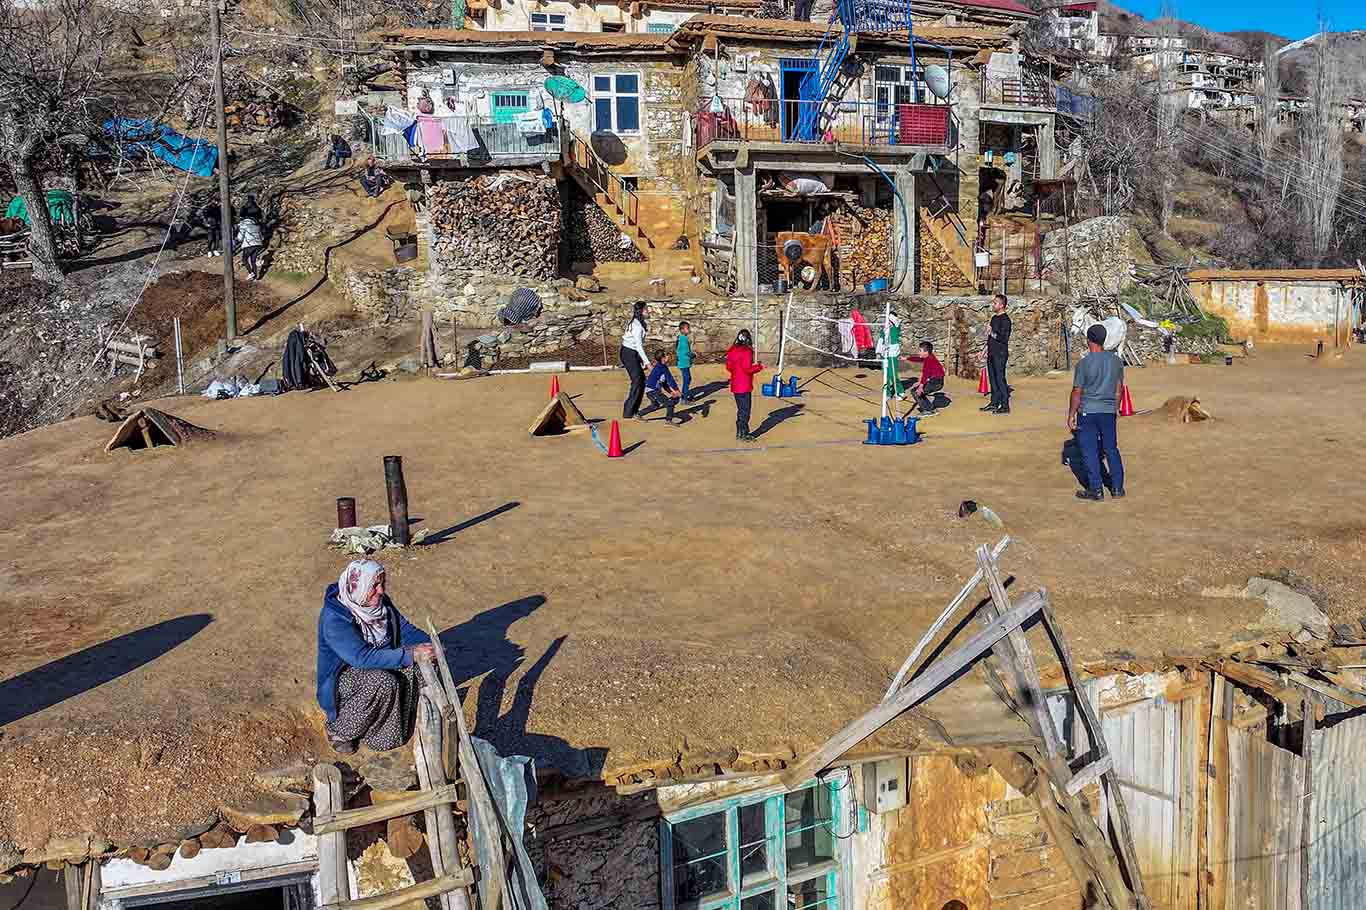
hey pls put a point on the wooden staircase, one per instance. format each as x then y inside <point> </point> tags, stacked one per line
<point>617,201</point>
<point>951,234</point>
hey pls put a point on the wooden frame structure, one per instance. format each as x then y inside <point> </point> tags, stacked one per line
<point>1107,869</point>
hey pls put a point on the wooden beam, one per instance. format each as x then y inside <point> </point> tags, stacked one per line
<point>334,883</point>
<point>71,878</point>
<point>1091,772</point>
<point>939,623</point>
<point>1257,678</point>
<point>936,675</point>
<point>405,896</point>
<point>1118,809</point>
<point>484,812</point>
<point>1307,823</point>
<point>1346,696</point>
<point>379,812</point>
<point>442,843</point>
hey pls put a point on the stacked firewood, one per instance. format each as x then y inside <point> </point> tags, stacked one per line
<point>509,222</point>
<point>865,247</point>
<point>255,115</point>
<point>593,237</point>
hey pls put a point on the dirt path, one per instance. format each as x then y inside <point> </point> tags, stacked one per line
<point>690,596</point>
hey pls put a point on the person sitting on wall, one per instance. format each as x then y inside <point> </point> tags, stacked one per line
<point>338,154</point>
<point>373,179</point>
<point>367,682</point>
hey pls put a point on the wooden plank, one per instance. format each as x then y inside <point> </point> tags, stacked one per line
<point>334,883</point>
<point>442,843</point>
<point>1115,805</point>
<point>71,879</point>
<point>480,800</point>
<point>1083,778</point>
<point>93,885</point>
<point>1257,678</point>
<point>938,673</point>
<point>379,812</point>
<point>1202,784</point>
<point>405,896</point>
<point>1307,818</point>
<point>1346,696</point>
<point>939,623</point>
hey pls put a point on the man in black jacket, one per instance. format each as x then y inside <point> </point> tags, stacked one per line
<point>998,350</point>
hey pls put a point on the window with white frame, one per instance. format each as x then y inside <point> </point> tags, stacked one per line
<point>897,85</point>
<point>616,103</point>
<point>547,22</point>
<point>758,853</point>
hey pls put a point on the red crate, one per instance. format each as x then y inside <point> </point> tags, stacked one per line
<point>922,124</point>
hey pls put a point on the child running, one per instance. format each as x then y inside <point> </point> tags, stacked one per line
<point>662,389</point>
<point>741,366</point>
<point>931,378</point>
<point>683,354</point>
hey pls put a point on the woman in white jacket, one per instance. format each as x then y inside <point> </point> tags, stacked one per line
<point>250,242</point>
<point>635,360</point>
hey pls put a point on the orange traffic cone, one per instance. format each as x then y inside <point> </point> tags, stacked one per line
<point>554,386</point>
<point>1126,404</point>
<point>614,442</point>
<point>983,387</point>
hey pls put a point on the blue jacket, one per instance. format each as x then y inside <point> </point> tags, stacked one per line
<point>341,645</point>
<point>660,376</point>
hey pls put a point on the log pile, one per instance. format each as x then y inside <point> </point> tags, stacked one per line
<point>937,267</point>
<point>507,223</point>
<point>254,115</point>
<point>865,247</point>
<point>593,237</point>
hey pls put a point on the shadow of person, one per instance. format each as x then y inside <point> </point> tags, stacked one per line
<point>480,645</point>
<point>776,417</point>
<point>54,682</point>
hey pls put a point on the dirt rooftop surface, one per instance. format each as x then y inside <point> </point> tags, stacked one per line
<point>161,607</point>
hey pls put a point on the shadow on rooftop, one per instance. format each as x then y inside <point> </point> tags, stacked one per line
<point>55,682</point>
<point>481,647</point>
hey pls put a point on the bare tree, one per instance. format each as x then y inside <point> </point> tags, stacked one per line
<point>1170,105</point>
<point>52,57</point>
<point>1320,159</point>
<point>1268,102</point>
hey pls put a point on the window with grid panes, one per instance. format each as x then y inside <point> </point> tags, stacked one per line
<point>547,22</point>
<point>616,103</point>
<point>660,28</point>
<point>507,105</point>
<point>895,85</point>
<point>767,853</point>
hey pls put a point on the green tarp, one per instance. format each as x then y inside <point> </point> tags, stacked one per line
<point>61,207</point>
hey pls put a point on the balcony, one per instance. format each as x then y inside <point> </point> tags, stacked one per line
<point>466,142</point>
<point>1026,92</point>
<point>858,124</point>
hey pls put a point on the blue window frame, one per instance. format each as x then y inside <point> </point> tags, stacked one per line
<point>660,28</point>
<point>764,852</point>
<point>616,103</point>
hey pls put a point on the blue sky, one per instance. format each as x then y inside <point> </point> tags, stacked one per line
<point>1292,18</point>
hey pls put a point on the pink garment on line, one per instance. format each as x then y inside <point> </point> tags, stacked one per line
<point>433,136</point>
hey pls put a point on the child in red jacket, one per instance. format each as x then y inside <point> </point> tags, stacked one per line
<point>741,366</point>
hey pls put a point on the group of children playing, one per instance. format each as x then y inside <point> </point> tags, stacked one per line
<point>664,393</point>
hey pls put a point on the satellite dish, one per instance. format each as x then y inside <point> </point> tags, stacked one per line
<point>937,80</point>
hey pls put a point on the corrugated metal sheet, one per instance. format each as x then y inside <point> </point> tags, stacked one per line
<point>1153,745</point>
<point>1265,815</point>
<point>1337,850</point>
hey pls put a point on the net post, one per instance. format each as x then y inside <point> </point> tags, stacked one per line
<point>887,363</point>
<point>784,323</point>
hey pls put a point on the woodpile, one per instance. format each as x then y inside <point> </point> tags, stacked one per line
<point>509,223</point>
<point>255,116</point>
<point>592,236</point>
<point>865,245</point>
<point>937,267</point>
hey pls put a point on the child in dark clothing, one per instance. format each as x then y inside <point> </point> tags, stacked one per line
<point>662,389</point>
<point>931,378</point>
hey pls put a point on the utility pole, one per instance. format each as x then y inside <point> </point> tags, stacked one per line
<point>224,190</point>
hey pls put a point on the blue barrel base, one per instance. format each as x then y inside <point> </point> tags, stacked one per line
<point>890,432</point>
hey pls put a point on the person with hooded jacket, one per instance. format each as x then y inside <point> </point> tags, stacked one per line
<point>741,366</point>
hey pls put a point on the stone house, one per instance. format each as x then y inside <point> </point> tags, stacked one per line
<point>1286,305</point>
<point>672,142</point>
<point>659,17</point>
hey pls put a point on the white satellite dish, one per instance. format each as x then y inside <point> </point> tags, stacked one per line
<point>937,80</point>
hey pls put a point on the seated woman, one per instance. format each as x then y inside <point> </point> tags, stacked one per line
<point>367,684</point>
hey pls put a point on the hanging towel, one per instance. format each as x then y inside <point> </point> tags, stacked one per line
<point>460,137</point>
<point>433,135</point>
<point>396,120</point>
<point>846,327</point>
<point>530,123</point>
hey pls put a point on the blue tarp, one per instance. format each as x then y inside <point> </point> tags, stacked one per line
<point>198,156</point>
<point>1077,105</point>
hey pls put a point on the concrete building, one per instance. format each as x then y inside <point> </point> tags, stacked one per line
<point>1289,305</point>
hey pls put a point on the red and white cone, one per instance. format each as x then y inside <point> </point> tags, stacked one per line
<point>1126,403</point>
<point>554,387</point>
<point>614,442</point>
<point>983,386</point>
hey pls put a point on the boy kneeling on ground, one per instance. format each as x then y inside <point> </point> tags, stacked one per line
<point>931,378</point>
<point>662,389</point>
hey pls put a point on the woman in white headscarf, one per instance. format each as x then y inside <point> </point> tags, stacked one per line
<point>367,685</point>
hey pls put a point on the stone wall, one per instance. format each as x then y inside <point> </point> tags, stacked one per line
<point>1099,254</point>
<point>615,868</point>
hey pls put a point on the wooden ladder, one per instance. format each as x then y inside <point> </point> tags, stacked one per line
<point>445,761</point>
<point>608,190</point>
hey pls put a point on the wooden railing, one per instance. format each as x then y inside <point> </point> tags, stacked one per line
<point>579,154</point>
